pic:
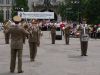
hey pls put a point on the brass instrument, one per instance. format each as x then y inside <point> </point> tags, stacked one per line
<point>6,24</point>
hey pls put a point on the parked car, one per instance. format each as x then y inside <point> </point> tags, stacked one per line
<point>58,33</point>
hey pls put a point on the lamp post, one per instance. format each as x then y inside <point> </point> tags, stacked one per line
<point>68,12</point>
<point>77,2</point>
<point>10,17</point>
<point>22,9</point>
<point>17,9</point>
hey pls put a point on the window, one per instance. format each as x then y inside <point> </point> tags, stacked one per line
<point>7,1</point>
<point>13,2</point>
<point>54,1</point>
<point>1,15</point>
<point>47,2</point>
<point>1,1</point>
<point>40,0</point>
<point>7,14</point>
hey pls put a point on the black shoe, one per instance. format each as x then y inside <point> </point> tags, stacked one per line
<point>53,43</point>
<point>82,55</point>
<point>32,60</point>
<point>20,71</point>
<point>11,71</point>
<point>7,43</point>
<point>85,55</point>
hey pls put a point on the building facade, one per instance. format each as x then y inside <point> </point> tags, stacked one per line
<point>5,9</point>
<point>45,5</point>
<point>40,2</point>
<point>34,5</point>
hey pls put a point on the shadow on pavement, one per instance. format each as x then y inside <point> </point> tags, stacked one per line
<point>77,58</point>
<point>7,73</point>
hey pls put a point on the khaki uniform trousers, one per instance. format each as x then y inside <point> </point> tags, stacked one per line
<point>53,37</point>
<point>14,53</point>
<point>67,38</point>
<point>24,38</point>
<point>6,39</point>
<point>84,46</point>
<point>33,50</point>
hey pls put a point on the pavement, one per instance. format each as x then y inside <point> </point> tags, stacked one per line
<point>54,59</point>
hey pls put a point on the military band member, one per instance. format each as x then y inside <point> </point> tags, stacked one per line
<point>26,28</point>
<point>39,32</point>
<point>33,40</point>
<point>53,33</point>
<point>84,36</point>
<point>16,33</point>
<point>6,26</point>
<point>39,36</point>
<point>67,34</point>
<point>24,25</point>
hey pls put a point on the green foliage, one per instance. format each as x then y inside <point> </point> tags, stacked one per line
<point>22,4</point>
<point>1,16</point>
<point>93,11</point>
<point>62,10</point>
<point>75,10</point>
<point>19,4</point>
<point>88,9</point>
<point>69,11</point>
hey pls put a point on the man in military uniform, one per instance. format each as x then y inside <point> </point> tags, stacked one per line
<point>6,26</point>
<point>26,28</point>
<point>39,32</point>
<point>33,40</point>
<point>67,34</point>
<point>53,33</point>
<point>16,33</point>
<point>39,36</point>
<point>84,38</point>
<point>24,25</point>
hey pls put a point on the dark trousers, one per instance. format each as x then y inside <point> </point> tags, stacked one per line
<point>62,32</point>
<point>67,38</point>
<point>38,44</point>
<point>84,46</point>
<point>53,36</point>
<point>33,50</point>
<point>14,53</point>
<point>24,40</point>
<point>94,35</point>
<point>6,39</point>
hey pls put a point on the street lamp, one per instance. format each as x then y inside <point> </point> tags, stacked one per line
<point>17,9</point>
<point>22,9</point>
<point>78,3</point>
<point>75,2</point>
<point>10,10</point>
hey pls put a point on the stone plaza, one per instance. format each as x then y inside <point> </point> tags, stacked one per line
<point>54,59</point>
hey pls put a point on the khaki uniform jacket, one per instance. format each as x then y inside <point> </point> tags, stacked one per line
<point>82,32</point>
<point>67,30</point>
<point>17,34</point>
<point>53,29</point>
<point>33,37</point>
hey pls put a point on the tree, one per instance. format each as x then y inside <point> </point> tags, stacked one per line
<point>93,11</point>
<point>69,10</point>
<point>1,16</point>
<point>62,10</point>
<point>20,5</point>
<point>75,10</point>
